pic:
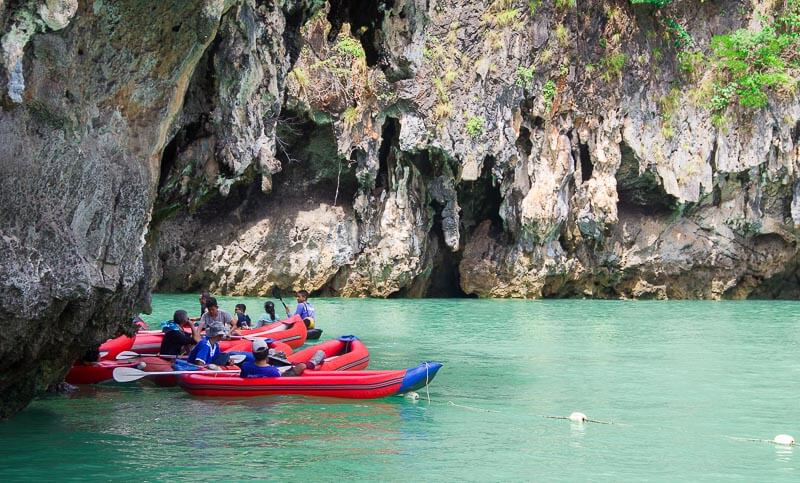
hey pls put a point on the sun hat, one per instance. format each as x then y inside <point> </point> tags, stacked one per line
<point>259,345</point>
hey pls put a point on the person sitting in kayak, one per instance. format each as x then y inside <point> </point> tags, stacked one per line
<point>204,296</point>
<point>176,341</point>
<point>214,317</point>
<point>242,319</point>
<point>207,351</point>
<point>304,309</point>
<point>268,317</point>
<point>262,368</point>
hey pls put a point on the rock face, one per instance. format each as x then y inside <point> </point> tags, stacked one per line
<point>376,148</point>
<point>91,93</point>
<point>522,149</point>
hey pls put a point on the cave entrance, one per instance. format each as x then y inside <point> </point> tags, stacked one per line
<point>481,200</point>
<point>641,192</point>
<point>445,279</point>
<point>390,138</point>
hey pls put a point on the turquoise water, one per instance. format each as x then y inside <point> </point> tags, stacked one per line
<point>684,384</point>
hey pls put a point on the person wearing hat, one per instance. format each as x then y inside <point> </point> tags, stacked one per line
<point>262,368</point>
<point>207,350</point>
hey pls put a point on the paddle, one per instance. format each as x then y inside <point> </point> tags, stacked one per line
<point>127,355</point>
<point>129,374</point>
<point>276,293</point>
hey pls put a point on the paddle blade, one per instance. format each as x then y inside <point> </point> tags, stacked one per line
<point>128,374</point>
<point>125,355</point>
<point>237,358</point>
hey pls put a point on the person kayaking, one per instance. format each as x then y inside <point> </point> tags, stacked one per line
<point>214,317</point>
<point>262,368</point>
<point>207,351</point>
<point>304,308</point>
<point>268,317</point>
<point>242,319</point>
<point>176,341</point>
<point>204,296</point>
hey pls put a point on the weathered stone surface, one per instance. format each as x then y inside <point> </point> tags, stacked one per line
<point>91,92</point>
<point>591,181</point>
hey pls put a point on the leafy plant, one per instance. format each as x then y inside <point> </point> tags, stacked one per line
<point>548,93</point>
<point>475,126</point>
<point>562,4</point>
<point>655,3</point>
<point>524,76</point>
<point>352,47</point>
<point>533,5</point>
<point>506,17</point>
<point>613,64</point>
<point>753,62</point>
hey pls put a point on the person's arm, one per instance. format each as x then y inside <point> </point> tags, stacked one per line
<point>195,334</point>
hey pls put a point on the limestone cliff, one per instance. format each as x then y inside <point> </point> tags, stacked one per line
<point>522,149</point>
<point>91,92</point>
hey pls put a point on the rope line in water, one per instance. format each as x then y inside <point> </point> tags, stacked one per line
<point>471,408</point>
<point>587,420</point>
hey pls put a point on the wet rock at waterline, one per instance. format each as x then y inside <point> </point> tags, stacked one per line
<point>91,93</point>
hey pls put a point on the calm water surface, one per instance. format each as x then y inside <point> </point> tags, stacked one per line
<point>683,383</point>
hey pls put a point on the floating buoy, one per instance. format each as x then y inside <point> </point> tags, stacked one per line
<point>412,396</point>
<point>784,439</point>
<point>577,417</point>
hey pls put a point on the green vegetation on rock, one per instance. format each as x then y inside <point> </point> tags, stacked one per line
<point>751,63</point>
<point>475,126</point>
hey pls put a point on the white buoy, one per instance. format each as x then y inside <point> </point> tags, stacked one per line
<point>784,439</point>
<point>412,396</point>
<point>577,417</point>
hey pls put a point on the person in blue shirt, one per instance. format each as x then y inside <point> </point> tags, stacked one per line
<point>261,366</point>
<point>207,350</point>
<point>242,319</point>
<point>304,308</point>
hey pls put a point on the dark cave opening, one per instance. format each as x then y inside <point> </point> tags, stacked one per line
<point>311,162</point>
<point>524,143</point>
<point>587,167</point>
<point>445,279</point>
<point>177,144</point>
<point>481,200</point>
<point>390,137</point>
<point>641,192</point>
<point>365,18</point>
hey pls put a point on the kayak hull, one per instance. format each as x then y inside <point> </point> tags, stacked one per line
<point>114,346</point>
<point>339,384</point>
<point>347,353</point>
<point>95,372</point>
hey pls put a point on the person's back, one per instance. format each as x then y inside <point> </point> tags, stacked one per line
<point>268,317</point>
<point>175,340</point>
<point>261,366</point>
<point>251,369</point>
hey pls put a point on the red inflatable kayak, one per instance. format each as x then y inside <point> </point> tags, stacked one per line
<point>291,331</point>
<point>110,348</point>
<point>347,353</point>
<point>342,384</point>
<point>95,372</point>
